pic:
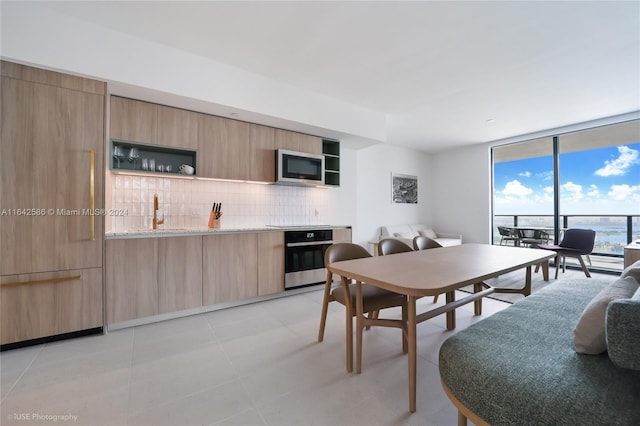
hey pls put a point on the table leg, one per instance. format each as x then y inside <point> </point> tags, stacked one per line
<point>451,315</point>
<point>527,282</point>
<point>477,305</point>
<point>349,330</point>
<point>405,346</point>
<point>545,270</point>
<point>359,327</point>
<point>411,340</point>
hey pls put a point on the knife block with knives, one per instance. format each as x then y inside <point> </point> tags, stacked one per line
<point>215,215</point>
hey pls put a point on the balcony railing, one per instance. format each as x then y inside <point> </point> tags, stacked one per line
<point>613,233</point>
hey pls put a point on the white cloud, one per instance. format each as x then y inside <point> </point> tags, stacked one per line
<point>526,174</point>
<point>548,175</point>
<point>517,189</point>
<point>573,189</point>
<point>620,165</point>
<point>624,192</point>
<point>593,192</point>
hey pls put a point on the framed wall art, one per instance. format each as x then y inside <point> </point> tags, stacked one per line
<point>404,189</point>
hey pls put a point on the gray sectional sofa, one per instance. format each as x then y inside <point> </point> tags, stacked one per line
<point>520,366</point>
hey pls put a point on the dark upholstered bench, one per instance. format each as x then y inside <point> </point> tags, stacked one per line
<point>519,366</point>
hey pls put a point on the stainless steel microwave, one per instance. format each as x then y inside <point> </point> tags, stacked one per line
<point>299,168</point>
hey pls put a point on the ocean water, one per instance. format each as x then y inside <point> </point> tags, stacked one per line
<point>611,233</point>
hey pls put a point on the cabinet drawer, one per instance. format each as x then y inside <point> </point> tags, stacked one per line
<point>47,304</point>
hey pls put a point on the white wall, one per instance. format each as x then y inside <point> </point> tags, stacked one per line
<point>374,167</point>
<point>462,192</point>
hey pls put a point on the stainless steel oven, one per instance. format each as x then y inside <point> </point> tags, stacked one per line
<point>304,257</point>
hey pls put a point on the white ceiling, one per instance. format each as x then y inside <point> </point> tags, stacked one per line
<point>439,70</point>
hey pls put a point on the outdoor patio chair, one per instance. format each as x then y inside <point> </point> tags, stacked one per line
<point>508,234</point>
<point>575,243</point>
<point>533,237</point>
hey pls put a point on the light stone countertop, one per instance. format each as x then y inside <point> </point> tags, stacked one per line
<point>186,232</point>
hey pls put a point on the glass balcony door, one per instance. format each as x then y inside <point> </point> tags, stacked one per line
<point>586,179</point>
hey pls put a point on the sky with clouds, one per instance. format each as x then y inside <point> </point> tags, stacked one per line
<point>602,181</point>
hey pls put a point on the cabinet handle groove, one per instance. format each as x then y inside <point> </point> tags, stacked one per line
<point>92,220</point>
<point>49,281</point>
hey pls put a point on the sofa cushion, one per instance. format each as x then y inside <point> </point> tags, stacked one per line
<point>428,233</point>
<point>623,332</point>
<point>445,242</point>
<point>632,270</point>
<point>392,230</point>
<point>589,334</point>
<point>417,227</point>
<point>402,235</point>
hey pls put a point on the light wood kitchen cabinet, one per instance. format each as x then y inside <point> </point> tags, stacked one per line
<point>270,263</point>
<point>49,135</point>
<point>230,267</point>
<point>131,274</point>
<point>342,235</point>
<point>294,141</point>
<point>46,304</point>
<point>177,127</point>
<point>179,273</point>
<point>133,120</point>
<point>223,148</point>
<point>149,123</point>
<point>51,186</point>
<point>263,153</point>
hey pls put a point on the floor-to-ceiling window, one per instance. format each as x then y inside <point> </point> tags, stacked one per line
<point>585,179</point>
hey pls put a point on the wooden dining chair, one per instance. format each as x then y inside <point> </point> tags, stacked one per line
<point>424,243</point>
<point>374,299</point>
<point>391,246</point>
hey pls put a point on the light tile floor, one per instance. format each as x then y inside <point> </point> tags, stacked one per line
<point>257,364</point>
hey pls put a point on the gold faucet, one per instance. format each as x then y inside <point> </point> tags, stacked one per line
<point>156,221</point>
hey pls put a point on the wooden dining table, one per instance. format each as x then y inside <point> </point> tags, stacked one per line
<point>432,272</point>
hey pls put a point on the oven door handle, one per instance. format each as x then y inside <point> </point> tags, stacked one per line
<point>308,243</point>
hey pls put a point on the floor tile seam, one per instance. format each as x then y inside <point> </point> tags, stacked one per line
<point>182,397</point>
<point>133,346</point>
<point>24,371</point>
<point>237,414</point>
<point>254,405</point>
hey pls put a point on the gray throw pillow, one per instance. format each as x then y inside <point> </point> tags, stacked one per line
<point>589,335</point>
<point>623,332</point>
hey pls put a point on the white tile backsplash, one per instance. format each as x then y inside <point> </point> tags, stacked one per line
<point>187,203</point>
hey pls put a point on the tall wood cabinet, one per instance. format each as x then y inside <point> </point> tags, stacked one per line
<point>51,227</point>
